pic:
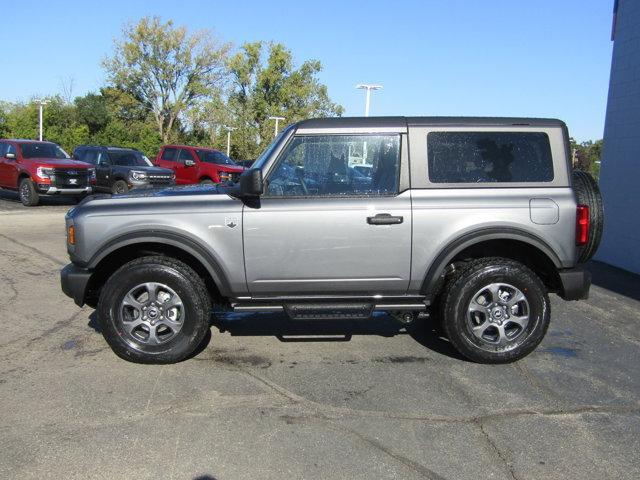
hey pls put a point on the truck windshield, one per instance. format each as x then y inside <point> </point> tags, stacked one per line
<point>213,156</point>
<point>264,156</point>
<point>42,150</point>
<point>129,159</point>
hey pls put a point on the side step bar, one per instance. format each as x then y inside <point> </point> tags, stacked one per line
<point>328,310</point>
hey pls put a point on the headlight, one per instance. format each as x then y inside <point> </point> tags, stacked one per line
<point>44,172</point>
<point>135,175</point>
<point>173,176</point>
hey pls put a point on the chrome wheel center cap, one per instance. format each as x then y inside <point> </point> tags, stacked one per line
<point>153,313</point>
<point>497,313</point>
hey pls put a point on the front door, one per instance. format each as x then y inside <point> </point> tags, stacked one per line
<point>187,169</point>
<point>322,227</point>
<point>103,171</point>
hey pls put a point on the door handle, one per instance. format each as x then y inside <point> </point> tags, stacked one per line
<point>384,219</point>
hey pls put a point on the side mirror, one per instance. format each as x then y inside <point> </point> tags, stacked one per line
<point>189,163</point>
<point>10,156</point>
<point>251,184</point>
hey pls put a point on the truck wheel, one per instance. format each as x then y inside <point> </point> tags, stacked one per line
<point>154,310</point>
<point>588,193</point>
<point>119,187</point>
<point>206,181</point>
<point>27,192</point>
<point>495,310</point>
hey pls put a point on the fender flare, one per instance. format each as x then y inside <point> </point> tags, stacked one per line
<point>432,277</point>
<point>176,240</point>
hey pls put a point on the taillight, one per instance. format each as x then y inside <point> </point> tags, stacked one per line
<point>582,225</point>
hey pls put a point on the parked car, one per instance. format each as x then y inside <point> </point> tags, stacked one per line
<point>36,169</point>
<point>118,170</point>
<point>198,165</point>
<point>475,220</point>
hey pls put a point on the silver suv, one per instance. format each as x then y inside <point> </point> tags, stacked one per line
<point>471,220</point>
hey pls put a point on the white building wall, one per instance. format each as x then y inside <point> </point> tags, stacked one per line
<point>620,168</point>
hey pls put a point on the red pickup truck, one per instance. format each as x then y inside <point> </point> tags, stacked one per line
<point>198,165</point>
<point>38,169</point>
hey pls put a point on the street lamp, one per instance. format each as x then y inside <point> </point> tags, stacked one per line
<point>277,119</point>
<point>368,87</point>
<point>41,104</point>
<point>228,138</point>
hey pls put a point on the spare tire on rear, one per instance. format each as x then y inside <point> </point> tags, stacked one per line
<point>588,193</point>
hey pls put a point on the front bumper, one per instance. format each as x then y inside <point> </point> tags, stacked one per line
<point>575,283</point>
<point>49,190</point>
<point>74,281</point>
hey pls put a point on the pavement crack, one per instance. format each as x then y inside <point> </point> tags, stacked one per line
<point>495,448</point>
<point>417,467</point>
<point>35,250</point>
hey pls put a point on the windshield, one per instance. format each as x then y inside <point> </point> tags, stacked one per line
<point>129,158</point>
<point>213,156</point>
<point>264,156</point>
<point>42,150</point>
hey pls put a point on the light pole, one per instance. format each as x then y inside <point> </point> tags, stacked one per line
<point>228,139</point>
<point>41,104</point>
<point>368,87</point>
<point>277,119</point>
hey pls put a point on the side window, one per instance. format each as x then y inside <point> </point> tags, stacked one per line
<point>11,149</point>
<point>329,165</point>
<point>488,157</point>
<point>102,159</point>
<point>3,149</point>
<point>89,156</point>
<point>169,154</point>
<point>185,155</point>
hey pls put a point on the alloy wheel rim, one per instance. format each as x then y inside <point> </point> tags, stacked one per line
<point>151,313</point>
<point>24,192</point>
<point>498,315</point>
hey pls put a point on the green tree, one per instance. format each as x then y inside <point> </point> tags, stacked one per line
<point>273,88</point>
<point>166,68</point>
<point>587,155</point>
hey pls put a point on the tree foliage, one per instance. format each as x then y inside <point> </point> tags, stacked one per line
<point>165,84</point>
<point>167,69</point>
<point>587,155</point>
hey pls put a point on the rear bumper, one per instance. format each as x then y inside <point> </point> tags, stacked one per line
<point>74,281</point>
<point>575,283</point>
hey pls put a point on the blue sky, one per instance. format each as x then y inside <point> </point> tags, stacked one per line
<point>547,58</point>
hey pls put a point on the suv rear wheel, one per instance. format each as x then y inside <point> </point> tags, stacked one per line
<point>495,310</point>
<point>154,310</point>
<point>27,192</point>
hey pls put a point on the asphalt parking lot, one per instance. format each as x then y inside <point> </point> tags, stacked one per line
<point>268,398</point>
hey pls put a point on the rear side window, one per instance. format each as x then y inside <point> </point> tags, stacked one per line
<point>489,157</point>
<point>185,155</point>
<point>169,154</point>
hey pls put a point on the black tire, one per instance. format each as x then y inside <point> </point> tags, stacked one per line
<point>457,321</point>
<point>27,193</point>
<point>175,276</point>
<point>206,181</point>
<point>119,187</point>
<point>588,193</point>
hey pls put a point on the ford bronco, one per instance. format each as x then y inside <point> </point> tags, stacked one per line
<point>472,221</point>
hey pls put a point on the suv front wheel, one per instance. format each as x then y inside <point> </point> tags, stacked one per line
<point>27,192</point>
<point>154,309</point>
<point>495,310</point>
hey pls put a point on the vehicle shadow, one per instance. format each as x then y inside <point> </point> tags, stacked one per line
<point>12,197</point>
<point>423,330</point>
<point>615,279</point>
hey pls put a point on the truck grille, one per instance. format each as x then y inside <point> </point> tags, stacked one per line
<point>70,178</point>
<point>161,180</point>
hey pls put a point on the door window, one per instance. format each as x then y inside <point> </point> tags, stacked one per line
<point>3,149</point>
<point>169,154</point>
<point>185,155</point>
<point>103,159</point>
<point>10,149</point>
<point>328,165</point>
